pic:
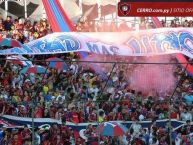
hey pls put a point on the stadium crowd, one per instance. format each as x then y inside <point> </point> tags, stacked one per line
<point>122,26</point>
<point>80,95</point>
<point>23,30</point>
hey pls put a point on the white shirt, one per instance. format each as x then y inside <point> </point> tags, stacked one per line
<point>94,90</point>
<point>58,116</point>
<point>111,90</point>
<point>74,68</point>
<point>136,128</point>
<point>141,117</point>
<point>115,78</point>
<point>14,68</point>
<point>178,141</point>
<point>37,139</point>
<point>186,116</point>
<point>151,142</point>
<point>60,98</point>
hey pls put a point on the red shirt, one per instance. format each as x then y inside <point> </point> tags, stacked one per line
<point>119,116</point>
<point>46,142</point>
<point>134,115</point>
<point>20,138</point>
<point>80,142</point>
<point>109,118</point>
<point>75,118</point>
<point>4,82</point>
<point>92,117</point>
<point>53,132</point>
<point>52,112</point>
<point>38,113</point>
<point>9,109</point>
<point>17,140</point>
<point>126,103</point>
<point>174,115</point>
<point>82,117</point>
<point>63,129</point>
<point>25,134</point>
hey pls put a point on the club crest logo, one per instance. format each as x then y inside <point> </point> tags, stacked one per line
<point>124,8</point>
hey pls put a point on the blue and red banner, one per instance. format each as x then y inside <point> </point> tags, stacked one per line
<point>142,43</point>
<point>58,19</point>
<point>9,42</point>
<point>17,122</point>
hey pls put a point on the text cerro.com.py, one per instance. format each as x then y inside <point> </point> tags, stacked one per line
<point>150,10</point>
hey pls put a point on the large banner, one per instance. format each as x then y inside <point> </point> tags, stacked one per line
<point>137,43</point>
<point>20,121</point>
<point>8,121</point>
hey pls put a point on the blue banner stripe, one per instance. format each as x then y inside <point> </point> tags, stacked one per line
<point>41,121</point>
<point>58,16</point>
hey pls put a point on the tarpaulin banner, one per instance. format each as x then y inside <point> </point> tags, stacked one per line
<point>80,127</point>
<point>136,43</point>
<point>19,59</point>
<point>41,121</point>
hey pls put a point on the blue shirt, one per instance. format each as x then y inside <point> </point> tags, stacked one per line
<point>146,137</point>
<point>1,134</point>
<point>48,98</point>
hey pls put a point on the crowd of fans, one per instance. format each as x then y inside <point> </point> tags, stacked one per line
<point>23,29</point>
<point>80,95</point>
<point>123,25</point>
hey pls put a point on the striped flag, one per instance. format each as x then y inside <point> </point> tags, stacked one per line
<point>19,60</point>
<point>6,124</point>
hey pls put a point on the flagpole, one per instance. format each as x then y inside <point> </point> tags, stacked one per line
<point>33,126</point>
<point>6,8</point>
<point>80,6</point>
<point>99,9</point>
<point>25,9</point>
<point>98,123</point>
<point>116,14</point>
<point>170,104</point>
<point>33,104</point>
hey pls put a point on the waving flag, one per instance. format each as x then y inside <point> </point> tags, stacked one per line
<point>180,57</point>
<point>57,17</point>
<point>19,60</point>
<point>57,63</point>
<point>112,129</point>
<point>34,69</point>
<point>10,42</point>
<point>6,124</point>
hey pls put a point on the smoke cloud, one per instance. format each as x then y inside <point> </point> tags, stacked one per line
<point>157,78</point>
<point>146,78</point>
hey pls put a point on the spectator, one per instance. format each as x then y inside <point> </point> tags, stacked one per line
<point>26,134</point>
<point>178,140</point>
<point>8,23</point>
<point>58,115</point>
<point>37,139</point>
<point>101,116</point>
<point>137,128</point>
<point>74,116</point>
<point>185,115</point>
<point>187,129</point>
